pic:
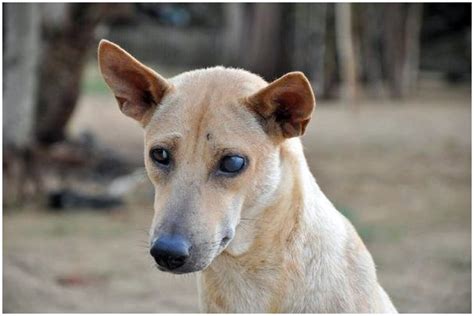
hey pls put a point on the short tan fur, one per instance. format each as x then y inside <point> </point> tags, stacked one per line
<point>265,239</point>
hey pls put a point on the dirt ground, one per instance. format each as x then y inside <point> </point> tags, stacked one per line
<point>401,172</point>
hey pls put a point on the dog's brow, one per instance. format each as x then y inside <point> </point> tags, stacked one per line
<point>170,138</point>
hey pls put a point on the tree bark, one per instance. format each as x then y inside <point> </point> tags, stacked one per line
<point>263,49</point>
<point>20,61</point>
<point>68,30</point>
<point>345,51</point>
<point>412,47</point>
<point>308,42</point>
<point>401,46</point>
<point>234,15</point>
<point>371,48</point>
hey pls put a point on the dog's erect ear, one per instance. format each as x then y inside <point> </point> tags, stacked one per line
<point>286,104</point>
<point>137,88</point>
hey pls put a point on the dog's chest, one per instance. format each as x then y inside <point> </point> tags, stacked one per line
<point>239,291</point>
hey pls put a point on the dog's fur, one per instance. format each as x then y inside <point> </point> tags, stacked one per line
<point>290,250</point>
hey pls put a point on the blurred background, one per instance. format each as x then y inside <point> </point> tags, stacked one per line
<point>390,142</point>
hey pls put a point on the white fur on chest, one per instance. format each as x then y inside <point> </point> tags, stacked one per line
<point>242,293</point>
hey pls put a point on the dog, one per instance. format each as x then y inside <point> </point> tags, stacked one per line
<point>234,197</point>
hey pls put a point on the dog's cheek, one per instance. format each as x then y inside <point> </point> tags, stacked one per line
<point>242,241</point>
<point>260,194</point>
<point>264,182</point>
<point>243,226</point>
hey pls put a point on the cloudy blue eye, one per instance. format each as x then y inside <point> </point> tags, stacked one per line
<point>160,156</point>
<point>232,164</point>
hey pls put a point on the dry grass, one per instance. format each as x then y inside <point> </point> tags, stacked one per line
<point>401,172</point>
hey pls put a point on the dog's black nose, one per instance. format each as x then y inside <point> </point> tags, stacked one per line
<point>170,252</point>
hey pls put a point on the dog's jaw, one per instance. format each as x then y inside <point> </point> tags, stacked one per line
<point>242,241</point>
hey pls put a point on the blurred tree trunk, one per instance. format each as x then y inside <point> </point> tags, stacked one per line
<point>234,15</point>
<point>20,61</point>
<point>308,45</point>
<point>330,71</point>
<point>389,36</point>
<point>68,30</point>
<point>412,46</point>
<point>345,51</point>
<point>371,28</point>
<point>278,38</point>
<point>264,45</point>
<point>402,22</point>
<point>394,47</point>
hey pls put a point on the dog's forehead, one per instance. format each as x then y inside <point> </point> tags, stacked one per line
<point>209,98</point>
<point>217,83</point>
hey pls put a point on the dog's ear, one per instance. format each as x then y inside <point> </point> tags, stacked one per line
<point>137,88</point>
<point>286,105</point>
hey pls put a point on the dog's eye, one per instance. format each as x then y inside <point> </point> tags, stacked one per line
<point>232,164</point>
<point>160,156</point>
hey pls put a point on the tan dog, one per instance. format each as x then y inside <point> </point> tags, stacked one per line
<point>235,198</point>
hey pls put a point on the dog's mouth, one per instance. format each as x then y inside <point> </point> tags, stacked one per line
<point>176,271</point>
<point>199,259</point>
<point>189,267</point>
<point>225,241</point>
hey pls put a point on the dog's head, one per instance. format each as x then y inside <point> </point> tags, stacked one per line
<point>212,150</point>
